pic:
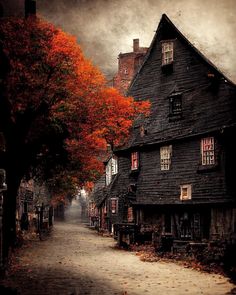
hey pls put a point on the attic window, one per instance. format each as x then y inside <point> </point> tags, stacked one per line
<point>167,52</point>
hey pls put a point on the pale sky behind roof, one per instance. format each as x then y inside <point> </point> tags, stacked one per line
<point>104,28</point>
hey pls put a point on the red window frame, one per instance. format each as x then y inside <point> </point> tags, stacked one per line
<point>134,161</point>
<point>208,151</point>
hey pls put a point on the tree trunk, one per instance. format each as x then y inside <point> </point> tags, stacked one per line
<point>9,211</point>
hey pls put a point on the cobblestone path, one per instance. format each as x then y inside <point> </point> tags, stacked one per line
<point>76,260</point>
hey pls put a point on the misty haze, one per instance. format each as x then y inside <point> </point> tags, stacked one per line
<point>106,28</point>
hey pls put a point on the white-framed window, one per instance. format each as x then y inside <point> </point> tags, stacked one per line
<point>165,157</point>
<point>167,52</point>
<point>114,205</point>
<point>114,165</point>
<point>111,169</point>
<point>108,173</point>
<point>186,192</point>
<point>208,151</point>
<point>134,161</point>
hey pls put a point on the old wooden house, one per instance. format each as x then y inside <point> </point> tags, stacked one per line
<point>176,176</point>
<point>104,206</point>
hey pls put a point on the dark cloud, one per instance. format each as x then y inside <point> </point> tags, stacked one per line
<point>105,28</point>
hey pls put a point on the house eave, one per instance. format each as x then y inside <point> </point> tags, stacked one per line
<point>179,203</point>
<point>157,141</point>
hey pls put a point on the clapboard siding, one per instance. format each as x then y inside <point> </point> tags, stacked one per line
<point>157,186</point>
<point>203,108</point>
<point>206,111</point>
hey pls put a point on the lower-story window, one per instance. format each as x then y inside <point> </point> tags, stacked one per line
<point>208,151</point>
<point>114,205</point>
<point>186,192</point>
<point>130,217</point>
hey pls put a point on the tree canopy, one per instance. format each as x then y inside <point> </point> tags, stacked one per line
<point>55,105</point>
<point>50,88</point>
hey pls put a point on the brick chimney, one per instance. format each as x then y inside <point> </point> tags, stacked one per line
<point>135,45</point>
<point>30,8</point>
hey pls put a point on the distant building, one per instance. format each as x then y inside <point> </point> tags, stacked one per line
<point>128,65</point>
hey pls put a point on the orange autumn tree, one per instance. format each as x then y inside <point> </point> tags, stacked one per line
<point>54,107</point>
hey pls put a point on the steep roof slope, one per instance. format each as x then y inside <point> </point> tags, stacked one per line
<point>204,109</point>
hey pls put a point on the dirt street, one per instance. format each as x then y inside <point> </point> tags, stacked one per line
<point>76,260</point>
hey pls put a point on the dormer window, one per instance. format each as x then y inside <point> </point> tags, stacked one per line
<point>134,161</point>
<point>175,106</point>
<point>167,52</point>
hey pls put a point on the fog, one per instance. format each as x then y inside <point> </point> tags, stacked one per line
<point>104,28</point>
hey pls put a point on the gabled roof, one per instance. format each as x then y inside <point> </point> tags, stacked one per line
<point>165,20</point>
<point>101,192</point>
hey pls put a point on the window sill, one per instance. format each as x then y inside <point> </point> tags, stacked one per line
<point>165,170</point>
<point>173,118</point>
<point>207,168</point>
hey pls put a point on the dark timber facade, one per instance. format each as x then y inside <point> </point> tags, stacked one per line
<point>176,176</point>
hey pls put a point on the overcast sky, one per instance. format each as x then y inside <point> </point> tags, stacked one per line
<point>104,28</point>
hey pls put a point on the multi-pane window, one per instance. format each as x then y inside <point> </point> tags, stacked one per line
<point>208,151</point>
<point>175,105</point>
<point>114,166</point>
<point>108,173</point>
<point>185,192</point>
<point>134,161</point>
<point>114,205</point>
<point>165,157</point>
<point>167,52</point>
<point>111,169</point>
